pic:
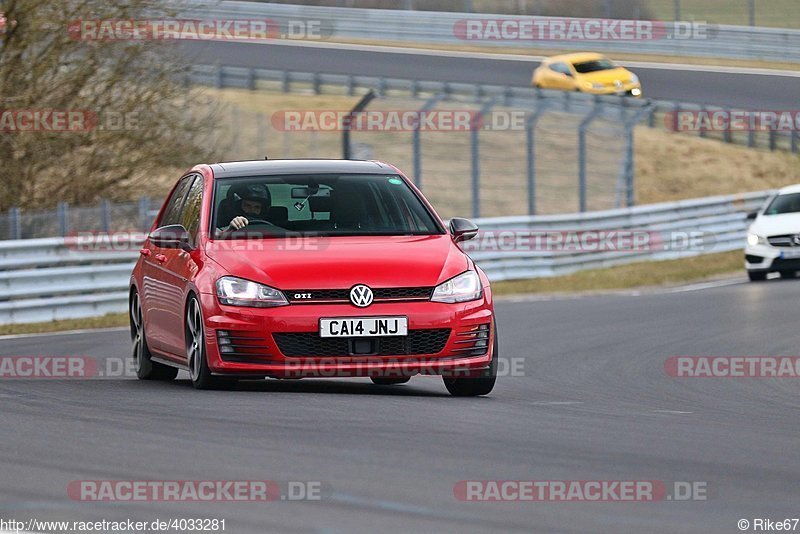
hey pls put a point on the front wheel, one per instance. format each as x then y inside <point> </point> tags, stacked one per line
<point>474,387</point>
<point>196,348</point>
<point>756,276</point>
<point>146,368</point>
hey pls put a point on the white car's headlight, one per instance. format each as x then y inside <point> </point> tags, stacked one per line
<point>462,288</point>
<point>239,292</point>
<point>755,239</point>
<point>634,78</point>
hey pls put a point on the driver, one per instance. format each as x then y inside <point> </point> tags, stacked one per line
<point>253,203</point>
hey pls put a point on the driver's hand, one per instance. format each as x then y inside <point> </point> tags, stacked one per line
<point>238,223</point>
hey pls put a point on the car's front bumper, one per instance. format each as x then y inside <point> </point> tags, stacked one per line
<point>628,89</point>
<point>766,258</point>
<point>260,335</point>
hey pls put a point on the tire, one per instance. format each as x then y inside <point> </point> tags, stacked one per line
<point>196,359</point>
<point>385,381</point>
<point>756,276</point>
<point>787,274</point>
<point>474,387</point>
<point>146,368</point>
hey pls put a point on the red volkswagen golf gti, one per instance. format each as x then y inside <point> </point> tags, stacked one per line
<point>309,268</point>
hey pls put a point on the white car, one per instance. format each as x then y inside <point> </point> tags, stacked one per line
<point>773,239</point>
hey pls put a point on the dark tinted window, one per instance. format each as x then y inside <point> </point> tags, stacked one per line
<point>325,204</point>
<point>789,203</point>
<point>173,209</point>
<point>594,66</point>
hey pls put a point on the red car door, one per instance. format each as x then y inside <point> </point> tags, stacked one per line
<point>159,291</point>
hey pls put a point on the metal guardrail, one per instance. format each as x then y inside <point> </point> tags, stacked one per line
<point>61,278</point>
<point>662,114</point>
<point>737,42</point>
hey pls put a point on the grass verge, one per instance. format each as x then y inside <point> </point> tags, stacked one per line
<point>635,275</point>
<point>106,321</point>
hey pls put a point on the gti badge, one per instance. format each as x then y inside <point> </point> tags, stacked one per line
<point>361,296</point>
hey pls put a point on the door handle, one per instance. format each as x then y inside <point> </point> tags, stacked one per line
<point>145,252</point>
<point>160,257</point>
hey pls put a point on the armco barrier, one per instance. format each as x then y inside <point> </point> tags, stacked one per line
<point>58,278</point>
<point>721,41</point>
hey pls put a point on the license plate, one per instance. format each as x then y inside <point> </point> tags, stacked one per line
<point>363,327</point>
<point>790,254</point>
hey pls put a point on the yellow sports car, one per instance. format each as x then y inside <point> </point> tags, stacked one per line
<point>588,73</point>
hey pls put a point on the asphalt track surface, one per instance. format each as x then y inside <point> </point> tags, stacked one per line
<point>594,404</point>
<point>747,91</point>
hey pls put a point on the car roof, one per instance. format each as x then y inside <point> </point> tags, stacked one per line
<point>577,57</point>
<point>789,189</point>
<point>232,169</point>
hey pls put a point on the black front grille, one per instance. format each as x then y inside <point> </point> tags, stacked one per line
<point>296,344</point>
<point>300,296</point>
<point>241,346</point>
<point>787,240</point>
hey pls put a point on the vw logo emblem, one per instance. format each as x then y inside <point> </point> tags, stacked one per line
<point>796,240</point>
<point>361,296</point>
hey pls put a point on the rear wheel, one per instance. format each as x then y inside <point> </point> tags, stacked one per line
<point>196,349</point>
<point>756,276</point>
<point>480,385</point>
<point>385,381</point>
<point>146,368</point>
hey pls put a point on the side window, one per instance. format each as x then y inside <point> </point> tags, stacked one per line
<point>561,68</point>
<point>172,211</point>
<point>190,214</point>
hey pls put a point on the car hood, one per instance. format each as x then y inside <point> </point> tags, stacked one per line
<point>607,76</point>
<point>342,261</point>
<point>769,225</point>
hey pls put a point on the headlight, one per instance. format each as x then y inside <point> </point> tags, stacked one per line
<point>755,239</point>
<point>634,78</point>
<point>462,288</point>
<point>239,292</point>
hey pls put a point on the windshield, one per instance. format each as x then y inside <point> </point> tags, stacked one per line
<point>327,205</point>
<point>784,204</point>
<point>594,66</point>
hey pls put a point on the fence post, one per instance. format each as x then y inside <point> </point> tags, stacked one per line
<point>629,170</point>
<point>14,224</point>
<point>582,153</point>
<point>677,9</point>
<point>474,130</point>
<point>417,134</point>
<point>261,133</point>
<point>105,215</point>
<point>62,214</point>
<point>144,210</point>
<point>795,134</point>
<point>285,82</point>
<point>530,149</point>
<point>347,121</point>
<point>752,12</point>
<point>218,81</point>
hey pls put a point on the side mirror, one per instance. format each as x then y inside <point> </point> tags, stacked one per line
<point>752,215</point>
<point>462,229</point>
<point>171,236</point>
